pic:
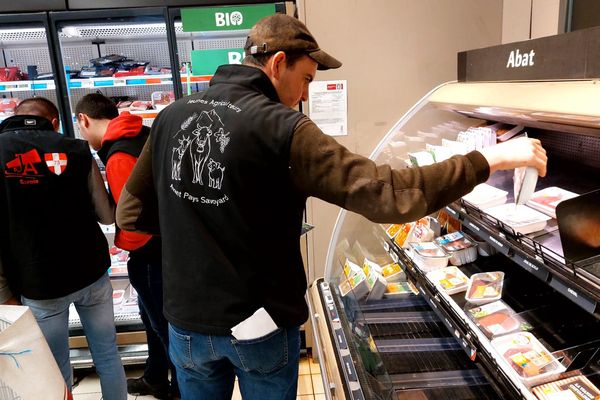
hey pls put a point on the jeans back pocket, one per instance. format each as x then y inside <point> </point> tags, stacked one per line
<point>264,355</point>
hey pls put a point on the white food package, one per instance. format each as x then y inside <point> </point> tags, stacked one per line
<point>485,196</point>
<point>521,218</point>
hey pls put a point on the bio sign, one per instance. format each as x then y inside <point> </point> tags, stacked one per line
<point>206,62</point>
<point>224,18</point>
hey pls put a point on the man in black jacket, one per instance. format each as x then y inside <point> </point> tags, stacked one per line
<point>228,172</point>
<point>53,252</point>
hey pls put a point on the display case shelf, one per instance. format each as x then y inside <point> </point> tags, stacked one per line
<point>21,86</point>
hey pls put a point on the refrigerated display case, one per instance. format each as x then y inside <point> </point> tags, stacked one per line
<point>427,343</point>
<point>123,54</point>
<point>27,66</point>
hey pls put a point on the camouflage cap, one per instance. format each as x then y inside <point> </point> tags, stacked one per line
<point>281,32</point>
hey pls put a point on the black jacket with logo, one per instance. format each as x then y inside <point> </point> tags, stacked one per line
<point>230,218</point>
<point>50,242</point>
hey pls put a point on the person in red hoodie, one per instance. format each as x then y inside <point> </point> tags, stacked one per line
<point>119,139</point>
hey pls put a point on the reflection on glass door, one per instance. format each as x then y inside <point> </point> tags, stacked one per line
<point>25,66</point>
<point>126,59</point>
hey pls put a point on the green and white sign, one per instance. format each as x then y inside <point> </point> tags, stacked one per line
<point>206,62</point>
<point>227,18</point>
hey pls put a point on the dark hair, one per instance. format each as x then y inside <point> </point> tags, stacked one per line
<point>97,106</point>
<point>260,60</point>
<point>39,106</point>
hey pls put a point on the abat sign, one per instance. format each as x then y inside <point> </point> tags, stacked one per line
<point>234,18</point>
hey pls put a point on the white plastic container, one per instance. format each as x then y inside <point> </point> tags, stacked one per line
<point>429,256</point>
<point>461,249</point>
<point>528,358</point>
<point>485,287</point>
<point>450,279</point>
<point>521,218</point>
<point>486,196</point>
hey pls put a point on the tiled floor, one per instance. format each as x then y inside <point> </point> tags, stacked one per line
<point>310,384</point>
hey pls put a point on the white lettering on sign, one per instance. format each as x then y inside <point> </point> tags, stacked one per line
<point>495,241</point>
<point>574,293</point>
<point>516,59</point>
<point>530,264</point>
<point>234,18</point>
<point>234,57</point>
<point>474,226</point>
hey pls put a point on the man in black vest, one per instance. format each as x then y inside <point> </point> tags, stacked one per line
<point>228,172</point>
<point>118,139</point>
<point>53,251</point>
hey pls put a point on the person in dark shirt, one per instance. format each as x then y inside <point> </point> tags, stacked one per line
<point>225,175</point>
<point>53,251</point>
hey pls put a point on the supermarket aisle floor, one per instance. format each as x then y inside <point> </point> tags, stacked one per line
<point>310,385</point>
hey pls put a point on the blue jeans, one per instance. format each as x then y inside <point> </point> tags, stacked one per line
<point>95,308</point>
<point>145,275</point>
<point>267,367</point>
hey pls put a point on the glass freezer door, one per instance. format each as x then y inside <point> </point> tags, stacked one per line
<point>208,37</point>
<point>26,68</point>
<point>125,58</point>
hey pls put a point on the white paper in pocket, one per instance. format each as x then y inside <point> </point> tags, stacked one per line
<point>257,325</point>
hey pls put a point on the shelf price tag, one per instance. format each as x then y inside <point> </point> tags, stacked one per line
<point>87,83</point>
<point>120,82</point>
<point>532,266</point>
<point>574,295</point>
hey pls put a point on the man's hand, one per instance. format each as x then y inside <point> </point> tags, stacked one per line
<point>521,152</point>
<point>12,302</point>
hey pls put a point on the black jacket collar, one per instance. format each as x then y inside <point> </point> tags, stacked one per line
<point>30,122</point>
<point>248,76</point>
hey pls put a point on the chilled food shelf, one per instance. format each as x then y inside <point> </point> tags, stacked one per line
<point>21,86</point>
<point>142,80</point>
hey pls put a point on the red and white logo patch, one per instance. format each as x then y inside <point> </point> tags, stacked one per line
<point>56,162</point>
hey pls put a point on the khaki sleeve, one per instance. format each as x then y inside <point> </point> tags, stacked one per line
<point>137,209</point>
<point>103,204</point>
<point>321,167</point>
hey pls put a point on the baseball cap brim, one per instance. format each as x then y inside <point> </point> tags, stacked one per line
<point>324,60</point>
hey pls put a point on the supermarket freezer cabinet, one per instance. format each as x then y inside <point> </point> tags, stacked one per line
<point>479,309</point>
<point>27,65</point>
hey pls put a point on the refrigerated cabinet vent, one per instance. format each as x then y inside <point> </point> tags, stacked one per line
<point>114,31</point>
<point>20,35</point>
<point>223,43</point>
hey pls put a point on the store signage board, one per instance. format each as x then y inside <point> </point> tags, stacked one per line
<point>206,62</point>
<point>574,55</point>
<point>228,18</point>
<point>328,106</point>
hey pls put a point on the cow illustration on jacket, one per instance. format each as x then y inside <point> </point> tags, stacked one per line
<point>200,151</point>
<point>215,174</point>
<point>178,153</point>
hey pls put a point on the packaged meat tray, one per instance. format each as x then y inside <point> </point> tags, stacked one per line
<point>520,218</point>
<point>429,256</point>
<point>497,319</point>
<point>547,199</point>
<point>450,279</point>
<point>525,355</point>
<point>485,287</point>
<point>574,388</point>
<point>486,196</point>
<point>461,249</point>
<point>400,289</point>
